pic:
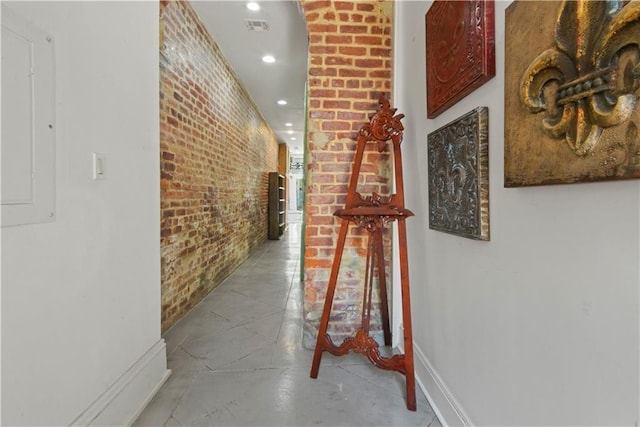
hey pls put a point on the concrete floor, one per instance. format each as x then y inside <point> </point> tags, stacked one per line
<point>237,360</point>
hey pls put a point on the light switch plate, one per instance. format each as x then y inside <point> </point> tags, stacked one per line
<point>99,166</point>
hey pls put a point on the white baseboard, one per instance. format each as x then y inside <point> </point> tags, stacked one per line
<point>122,403</point>
<point>447,409</point>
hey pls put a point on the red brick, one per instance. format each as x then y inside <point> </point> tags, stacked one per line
<point>173,122</point>
<point>369,63</point>
<point>380,74</point>
<point>350,115</point>
<point>338,39</point>
<point>334,105</point>
<point>316,4</point>
<point>380,52</point>
<point>322,93</point>
<point>352,84</point>
<point>336,189</point>
<point>322,49</point>
<point>319,242</point>
<point>310,252</point>
<point>343,5</point>
<point>320,263</point>
<point>352,72</point>
<point>333,125</point>
<point>352,50</point>
<point>368,40</point>
<point>321,220</point>
<point>322,28</point>
<point>338,60</point>
<point>325,178</point>
<point>311,230</point>
<point>365,7</point>
<point>320,199</point>
<point>329,15</point>
<point>335,167</point>
<point>324,156</point>
<point>371,19</point>
<point>354,29</point>
<point>326,231</point>
<point>323,72</point>
<point>353,94</point>
<point>192,260</point>
<point>364,106</point>
<point>362,34</point>
<point>327,115</point>
<point>313,16</point>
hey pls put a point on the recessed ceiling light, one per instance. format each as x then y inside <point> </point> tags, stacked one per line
<point>282,102</point>
<point>269,59</point>
<point>253,6</point>
<point>290,132</point>
<point>288,124</point>
<point>292,138</point>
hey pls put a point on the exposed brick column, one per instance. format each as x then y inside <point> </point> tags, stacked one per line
<point>216,152</point>
<point>349,67</point>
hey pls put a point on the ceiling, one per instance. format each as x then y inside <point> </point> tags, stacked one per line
<point>279,29</point>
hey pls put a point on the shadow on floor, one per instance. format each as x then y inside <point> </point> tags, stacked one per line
<point>237,360</point>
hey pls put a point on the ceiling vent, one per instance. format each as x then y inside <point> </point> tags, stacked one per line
<point>256,25</point>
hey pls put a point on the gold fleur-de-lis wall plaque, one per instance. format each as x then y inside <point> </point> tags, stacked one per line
<point>571,91</point>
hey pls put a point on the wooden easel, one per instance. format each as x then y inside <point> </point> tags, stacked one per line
<point>373,213</point>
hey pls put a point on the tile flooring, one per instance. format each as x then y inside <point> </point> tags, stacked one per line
<point>237,360</point>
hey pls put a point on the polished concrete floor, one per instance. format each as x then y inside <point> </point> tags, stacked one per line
<point>237,360</point>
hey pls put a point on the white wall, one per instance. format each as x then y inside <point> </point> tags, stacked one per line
<point>81,295</point>
<point>540,325</point>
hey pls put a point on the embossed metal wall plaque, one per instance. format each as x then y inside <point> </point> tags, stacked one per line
<point>571,92</point>
<point>460,49</point>
<point>459,176</point>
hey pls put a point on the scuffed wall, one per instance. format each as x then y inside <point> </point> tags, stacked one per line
<point>216,152</point>
<point>349,67</point>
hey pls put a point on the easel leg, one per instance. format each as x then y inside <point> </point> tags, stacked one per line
<point>382,281</point>
<point>406,317</point>
<point>328,302</point>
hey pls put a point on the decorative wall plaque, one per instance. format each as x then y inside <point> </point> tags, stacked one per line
<point>459,176</point>
<point>571,92</point>
<point>460,50</point>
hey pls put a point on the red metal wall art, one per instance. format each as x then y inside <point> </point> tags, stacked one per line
<point>460,50</point>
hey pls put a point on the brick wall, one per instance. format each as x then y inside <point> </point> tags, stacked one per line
<point>216,151</point>
<point>349,66</point>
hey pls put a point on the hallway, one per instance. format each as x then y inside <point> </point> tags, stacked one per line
<point>237,360</point>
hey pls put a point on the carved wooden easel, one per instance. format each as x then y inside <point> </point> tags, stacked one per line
<point>373,214</point>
